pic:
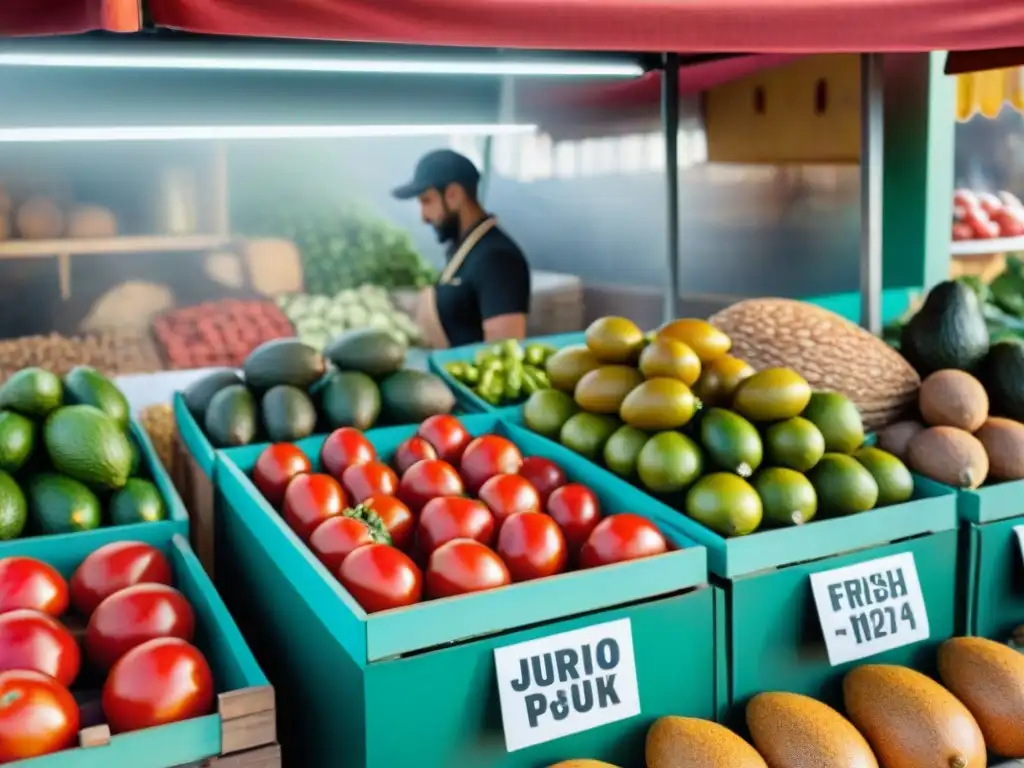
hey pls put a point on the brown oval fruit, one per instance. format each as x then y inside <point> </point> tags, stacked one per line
<point>794,731</point>
<point>911,721</point>
<point>896,437</point>
<point>668,358</point>
<point>828,350</point>
<point>615,339</point>
<point>659,404</point>
<point>699,335</point>
<point>948,455</point>
<point>988,677</point>
<point>720,378</point>
<point>1003,440</point>
<point>686,742</point>
<point>603,389</point>
<point>568,365</point>
<point>953,399</point>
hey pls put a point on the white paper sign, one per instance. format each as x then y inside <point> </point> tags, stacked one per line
<point>870,607</point>
<point>566,683</point>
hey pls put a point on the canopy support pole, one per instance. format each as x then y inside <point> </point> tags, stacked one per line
<point>872,120</point>
<point>670,125</point>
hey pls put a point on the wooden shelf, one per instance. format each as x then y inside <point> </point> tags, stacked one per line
<point>986,247</point>
<point>20,249</point>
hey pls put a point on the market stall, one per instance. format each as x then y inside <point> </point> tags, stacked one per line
<point>671,583</point>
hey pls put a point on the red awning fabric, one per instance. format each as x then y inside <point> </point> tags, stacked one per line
<point>753,26</point>
<point>25,18</point>
<point>646,90</point>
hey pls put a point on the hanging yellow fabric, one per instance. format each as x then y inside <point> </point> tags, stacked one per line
<point>985,93</point>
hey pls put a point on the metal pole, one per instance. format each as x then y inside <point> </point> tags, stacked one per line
<point>871,169</point>
<point>670,124</point>
<point>506,114</point>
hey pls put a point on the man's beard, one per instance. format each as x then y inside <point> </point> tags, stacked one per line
<point>448,228</point>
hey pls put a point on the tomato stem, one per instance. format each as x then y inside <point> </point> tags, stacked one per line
<point>371,520</point>
<point>9,698</point>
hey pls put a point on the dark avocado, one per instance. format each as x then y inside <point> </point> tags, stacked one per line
<point>949,331</point>
<point>199,394</point>
<point>1002,373</point>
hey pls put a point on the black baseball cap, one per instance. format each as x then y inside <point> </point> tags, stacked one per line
<point>438,169</point>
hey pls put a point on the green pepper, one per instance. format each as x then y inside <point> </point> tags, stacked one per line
<point>514,382</point>
<point>483,356</point>
<point>535,354</point>
<point>510,349</point>
<point>530,383</point>
<point>472,375</point>
<point>490,379</point>
<point>489,394</point>
<point>543,380</point>
<point>457,371</point>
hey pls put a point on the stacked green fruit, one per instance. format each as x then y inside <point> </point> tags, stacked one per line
<point>287,390</point>
<point>68,461</point>
<point>733,448</point>
<point>318,319</point>
<point>506,372</point>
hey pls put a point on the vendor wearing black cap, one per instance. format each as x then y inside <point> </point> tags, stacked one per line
<point>483,293</point>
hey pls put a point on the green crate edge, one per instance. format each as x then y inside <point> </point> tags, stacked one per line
<point>234,664</point>
<point>934,512</point>
<point>192,436</point>
<point>177,517</point>
<point>439,358</point>
<point>426,625</point>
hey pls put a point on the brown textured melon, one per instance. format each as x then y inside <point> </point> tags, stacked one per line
<point>828,350</point>
<point>794,731</point>
<point>988,677</point>
<point>911,721</point>
<point>687,742</point>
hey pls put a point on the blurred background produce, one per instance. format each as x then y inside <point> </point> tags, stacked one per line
<point>318,318</point>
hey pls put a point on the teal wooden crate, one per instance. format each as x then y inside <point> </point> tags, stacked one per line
<point>233,664</point>
<point>384,668</point>
<point>774,639</point>
<point>932,509</point>
<point>153,469</point>
<point>192,436</point>
<point>468,399</point>
<point>992,566</point>
<point>895,302</point>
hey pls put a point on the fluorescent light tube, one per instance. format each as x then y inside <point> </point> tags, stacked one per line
<point>249,132</point>
<point>275,63</point>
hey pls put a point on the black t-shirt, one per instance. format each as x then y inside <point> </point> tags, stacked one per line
<point>493,280</point>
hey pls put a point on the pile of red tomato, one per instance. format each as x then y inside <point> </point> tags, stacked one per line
<point>449,515</point>
<point>137,639</point>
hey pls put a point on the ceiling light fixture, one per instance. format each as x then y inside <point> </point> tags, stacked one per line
<point>251,132</point>
<point>324,64</point>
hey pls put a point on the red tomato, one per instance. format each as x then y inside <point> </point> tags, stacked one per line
<point>134,615</point>
<point>543,474</point>
<point>621,537</point>
<point>453,517</point>
<point>506,495</point>
<point>362,481</point>
<point>343,448</point>
<point>462,566</point>
<point>29,583</point>
<point>396,518</point>
<point>37,716</point>
<point>337,537</point>
<point>162,681</point>
<point>311,499</point>
<point>410,451</point>
<point>447,435</point>
<point>113,567</point>
<point>577,511</point>
<point>32,640</point>
<point>486,457</point>
<point>962,231</point>
<point>426,480</point>
<point>532,546</point>
<point>276,467</point>
<point>380,577</point>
